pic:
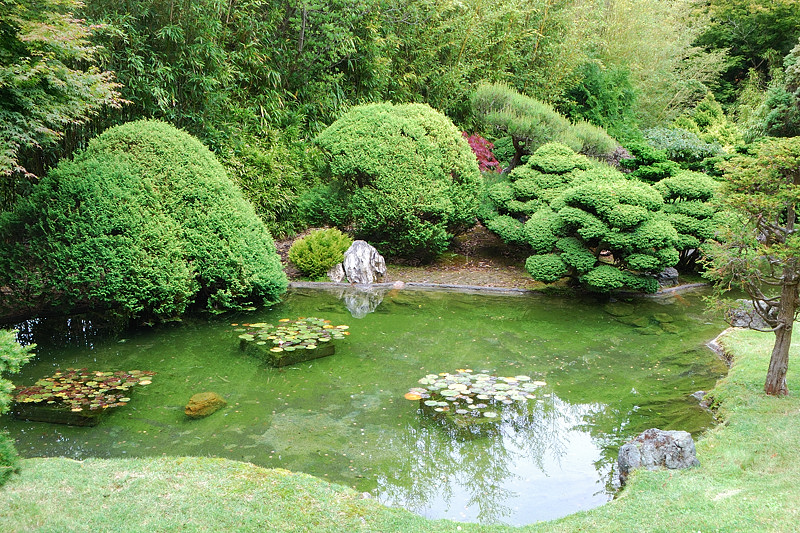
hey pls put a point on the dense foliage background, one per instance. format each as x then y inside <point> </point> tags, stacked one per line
<point>653,88</point>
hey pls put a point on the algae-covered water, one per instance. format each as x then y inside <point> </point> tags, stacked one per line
<point>612,371</point>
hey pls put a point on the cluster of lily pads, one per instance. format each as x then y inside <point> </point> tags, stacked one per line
<point>290,335</point>
<point>465,395</point>
<point>82,389</point>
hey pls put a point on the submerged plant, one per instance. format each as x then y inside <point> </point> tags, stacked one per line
<point>82,390</point>
<point>467,397</point>
<point>290,335</point>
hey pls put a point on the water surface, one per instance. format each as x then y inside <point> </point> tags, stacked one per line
<point>343,418</point>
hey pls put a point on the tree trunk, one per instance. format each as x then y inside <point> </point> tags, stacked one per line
<point>779,362</point>
<point>519,151</point>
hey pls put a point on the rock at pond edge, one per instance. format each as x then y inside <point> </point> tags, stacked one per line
<point>656,448</point>
<point>203,404</point>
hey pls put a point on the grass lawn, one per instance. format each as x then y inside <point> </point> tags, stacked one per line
<point>749,481</point>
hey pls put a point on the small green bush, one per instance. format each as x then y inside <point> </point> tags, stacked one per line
<point>409,180</point>
<point>507,228</point>
<point>319,251</point>
<point>143,223</point>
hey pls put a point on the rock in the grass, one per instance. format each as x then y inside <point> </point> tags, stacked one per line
<point>655,449</point>
<point>336,274</point>
<point>363,264</point>
<point>668,278</point>
<point>203,404</point>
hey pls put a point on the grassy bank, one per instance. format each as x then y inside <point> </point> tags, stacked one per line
<point>747,482</point>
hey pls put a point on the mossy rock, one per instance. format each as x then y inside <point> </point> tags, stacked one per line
<point>650,330</point>
<point>637,321</point>
<point>663,318</point>
<point>670,327</point>
<point>619,309</point>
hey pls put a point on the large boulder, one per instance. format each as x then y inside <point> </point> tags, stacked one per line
<point>655,449</point>
<point>363,264</point>
<point>203,404</point>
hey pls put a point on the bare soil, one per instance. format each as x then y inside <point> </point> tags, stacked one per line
<point>476,258</point>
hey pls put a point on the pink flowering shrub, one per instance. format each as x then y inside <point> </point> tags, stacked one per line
<point>483,152</point>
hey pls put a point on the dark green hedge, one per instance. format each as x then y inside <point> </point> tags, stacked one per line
<point>144,222</point>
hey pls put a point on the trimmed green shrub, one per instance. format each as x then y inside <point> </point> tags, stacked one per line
<point>12,357</point>
<point>584,220</point>
<point>319,251</point>
<point>409,179</point>
<point>688,207</point>
<point>143,223</point>
<point>546,268</point>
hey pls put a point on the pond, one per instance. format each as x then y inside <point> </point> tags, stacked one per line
<point>612,371</point>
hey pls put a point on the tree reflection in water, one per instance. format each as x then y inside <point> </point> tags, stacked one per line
<point>480,477</point>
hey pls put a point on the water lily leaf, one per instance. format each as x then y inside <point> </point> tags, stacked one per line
<point>490,414</point>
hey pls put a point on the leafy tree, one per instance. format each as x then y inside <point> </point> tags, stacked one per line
<point>760,253</point>
<point>438,52</point>
<point>143,223</point>
<point>755,33</point>
<point>49,83</point>
<point>708,121</point>
<point>653,41</point>
<point>603,96</point>
<point>409,180</point>
<point>12,357</point>
<point>781,108</point>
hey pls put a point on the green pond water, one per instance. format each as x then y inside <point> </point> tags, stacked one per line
<point>612,371</point>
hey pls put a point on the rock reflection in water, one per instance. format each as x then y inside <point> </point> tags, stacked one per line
<point>361,300</point>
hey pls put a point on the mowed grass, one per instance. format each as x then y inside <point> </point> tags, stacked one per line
<point>749,481</point>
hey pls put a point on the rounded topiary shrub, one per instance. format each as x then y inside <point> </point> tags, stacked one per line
<point>144,222</point>
<point>319,251</point>
<point>410,179</point>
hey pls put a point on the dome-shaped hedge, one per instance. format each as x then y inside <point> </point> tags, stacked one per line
<point>410,178</point>
<point>144,222</point>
